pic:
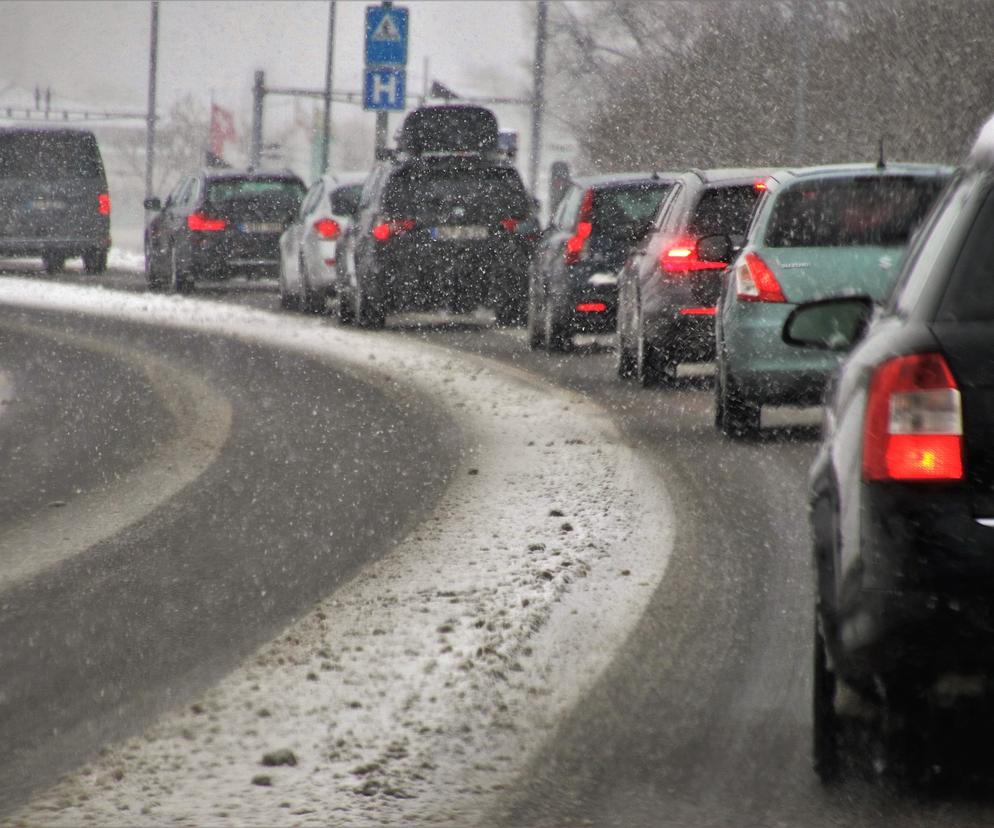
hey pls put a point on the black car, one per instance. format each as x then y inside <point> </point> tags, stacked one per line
<point>440,230</point>
<point>53,197</point>
<point>219,223</point>
<point>668,291</point>
<point>902,489</point>
<point>572,286</point>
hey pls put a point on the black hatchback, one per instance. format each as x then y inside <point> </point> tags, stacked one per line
<point>219,223</point>
<point>53,197</point>
<point>902,489</point>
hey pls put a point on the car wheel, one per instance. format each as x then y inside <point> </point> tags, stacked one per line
<point>651,367</point>
<point>739,417</point>
<point>367,312</point>
<point>535,331</point>
<point>310,301</point>
<point>558,337</point>
<point>288,301</point>
<point>53,262</point>
<point>825,720</point>
<point>179,280</point>
<point>626,363</point>
<point>151,277</point>
<point>95,261</point>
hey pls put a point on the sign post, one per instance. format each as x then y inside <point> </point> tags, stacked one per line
<point>385,78</point>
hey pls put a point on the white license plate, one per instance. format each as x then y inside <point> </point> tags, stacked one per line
<point>466,232</point>
<point>43,205</point>
<point>262,227</point>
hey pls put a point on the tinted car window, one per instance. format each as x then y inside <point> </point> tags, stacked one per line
<point>725,210</point>
<point>620,210</point>
<point>481,195</point>
<point>970,294</point>
<point>350,190</point>
<point>878,211</point>
<point>568,208</point>
<point>45,155</point>
<point>239,189</point>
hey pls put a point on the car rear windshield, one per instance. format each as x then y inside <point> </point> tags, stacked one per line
<point>264,190</point>
<point>48,156</point>
<point>620,211</point>
<point>457,196</point>
<point>724,211</point>
<point>851,212</point>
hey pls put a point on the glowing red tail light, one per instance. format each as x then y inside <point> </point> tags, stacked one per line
<point>755,282</point>
<point>510,224</point>
<point>103,204</point>
<point>386,230</point>
<point>698,311</point>
<point>591,307</point>
<point>327,228</point>
<point>681,257</point>
<point>201,223</point>
<point>584,227</point>
<point>914,424</point>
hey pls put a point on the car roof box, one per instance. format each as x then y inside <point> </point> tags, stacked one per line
<point>450,129</point>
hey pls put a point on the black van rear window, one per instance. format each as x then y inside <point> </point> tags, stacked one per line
<point>481,195</point>
<point>849,212</point>
<point>43,155</point>
<point>282,190</point>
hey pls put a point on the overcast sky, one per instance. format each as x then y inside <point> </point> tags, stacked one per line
<point>96,51</point>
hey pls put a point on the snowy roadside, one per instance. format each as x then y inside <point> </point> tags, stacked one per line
<point>420,689</point>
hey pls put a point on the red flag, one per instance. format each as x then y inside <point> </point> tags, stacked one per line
<point>222,129</point>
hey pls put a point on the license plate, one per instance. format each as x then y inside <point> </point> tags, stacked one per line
<point>43,205</point>
<point>261,227</point>
<point>465,232</point>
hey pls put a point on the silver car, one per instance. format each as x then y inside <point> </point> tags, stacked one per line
<point>309,245</point>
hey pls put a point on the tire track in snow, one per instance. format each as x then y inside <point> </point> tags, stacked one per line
<point>416,692</point>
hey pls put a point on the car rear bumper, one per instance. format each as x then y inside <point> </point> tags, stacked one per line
<point>64,246</point>
<point>223,256</point>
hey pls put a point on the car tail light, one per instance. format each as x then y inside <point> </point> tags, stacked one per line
<point>698,311</point>
<point>103,204</point>
<point>760,186</point>
<point>576,243</point>
<point>510,224</point>
<point>392,227</point>
<point>681,257</point>
<point>201,223</point>
<point>327,228</point>
<point>591,307</point>
<point>755,282</point>
<point>914,425</point>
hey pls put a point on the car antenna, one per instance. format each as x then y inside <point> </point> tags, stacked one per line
<point>881,164</point>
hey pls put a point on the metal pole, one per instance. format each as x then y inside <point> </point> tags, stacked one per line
<point>801,85</point>
<point>538,95</point>
<point>153,65</point>
<point>258,93</point>
<point>381,130</point>
<point>329,69</point>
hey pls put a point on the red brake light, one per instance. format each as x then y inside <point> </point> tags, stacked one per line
<point>680,256</point>
<point>510,224</point>
<point>760,186</point>
<point>201,223</point>
<point>591,307</point>
<point>327,228</point>
<point>103,204</point>
<point>914,426</point>
<point>584,227</point>
<point>755,282</point>
<point>392,227</point>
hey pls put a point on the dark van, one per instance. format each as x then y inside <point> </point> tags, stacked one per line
<point>53,197</point>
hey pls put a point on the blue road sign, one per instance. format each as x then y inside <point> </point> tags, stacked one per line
<point>383,88</point>
<point>386,36</point>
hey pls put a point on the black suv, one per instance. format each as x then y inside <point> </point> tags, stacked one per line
<point>668,291</point>
<point>445,223</point>
<point>219,223</point>
<point>902,488</point>
<point>573,284</point>
<point>53,197</point>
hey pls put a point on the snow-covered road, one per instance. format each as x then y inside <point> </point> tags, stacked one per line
<point>416,692</point>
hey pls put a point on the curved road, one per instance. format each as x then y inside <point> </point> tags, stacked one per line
<point>704,717</point>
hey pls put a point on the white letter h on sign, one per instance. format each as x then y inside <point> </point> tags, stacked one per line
<point>384,88</point>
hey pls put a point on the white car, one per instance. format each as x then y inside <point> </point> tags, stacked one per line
<point>309,245</point>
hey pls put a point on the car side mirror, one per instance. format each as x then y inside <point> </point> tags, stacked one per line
<point>152,204</point>
<point>718,248</point>
<point>829,324</point>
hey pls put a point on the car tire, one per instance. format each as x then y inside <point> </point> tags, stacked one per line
<point>310,302</point>
<point>825,720</point>
<point>627,360</point>
<point>53,263</point>
<point>534,330</point>
<point>95,261</point>
<point>346,307</point>
<point>152,280</point>
<point>367,311</point>
<point>179,280</point>
<point>558,336</point>
<point>734,416</point>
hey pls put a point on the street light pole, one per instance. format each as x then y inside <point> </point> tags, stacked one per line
<point>329,70</point>
<point>538,95</point>
<point>153,60</point>
<point>258,95</point>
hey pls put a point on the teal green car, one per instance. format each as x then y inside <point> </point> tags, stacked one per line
<point>819,232</point>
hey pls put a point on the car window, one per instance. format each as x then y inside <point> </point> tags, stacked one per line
<point>242,189</point>
<point>969,295</point>
<point>42,155</point>
<point>724,210</point>
<point>619,210</point>
<point>569,207</point>
<point>311,198</point>
<point>469,194</point>
<point>354,189</point>
<point>851,212</point>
